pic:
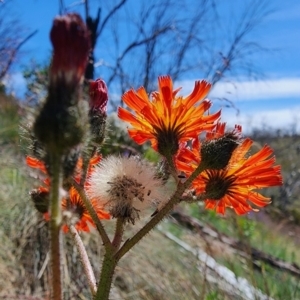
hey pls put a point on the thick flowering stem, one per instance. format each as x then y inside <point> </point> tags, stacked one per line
<point>106,276</point>
<point>105,239</point>
<point>84,260</point>
<point>55,224</point>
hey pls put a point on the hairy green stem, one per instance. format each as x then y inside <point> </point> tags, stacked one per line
<point>55,224</point>
<point>84,260</point>
<point>106,276</point>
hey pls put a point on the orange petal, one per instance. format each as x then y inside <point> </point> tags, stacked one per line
<point>35,163</point>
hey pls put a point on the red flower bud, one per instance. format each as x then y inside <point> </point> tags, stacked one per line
<point>71,44</point>
<point>98,96</point>
<point>98,103</point>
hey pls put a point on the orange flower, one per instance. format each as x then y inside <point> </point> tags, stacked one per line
<point>168,119</point>
<point>234,185</point>
<point>73,203</point>
<point>37,164</point>
<point>78,170</point>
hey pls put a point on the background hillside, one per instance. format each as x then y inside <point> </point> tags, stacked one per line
<point>194,254</point>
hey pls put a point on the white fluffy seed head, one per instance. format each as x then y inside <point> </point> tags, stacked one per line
<point>126,186</point>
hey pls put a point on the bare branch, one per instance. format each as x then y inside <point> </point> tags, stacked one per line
<point>251,18</point>
<point>13,53</point>
<point>110,14</point>
<point>136,44</point>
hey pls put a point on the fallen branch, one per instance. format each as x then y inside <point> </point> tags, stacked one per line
<point>195,225</point>
<point>217,274</point>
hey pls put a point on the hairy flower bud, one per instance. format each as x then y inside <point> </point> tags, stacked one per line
<point>69,162</point>
<point>216,153</point>
<point>98,102</point>
<point>61,123</point>
<point>60,127</point>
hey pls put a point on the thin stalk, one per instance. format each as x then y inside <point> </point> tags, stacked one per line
<point>84,260</point>
<point>150,225</point>
<point>118,233</point>
<point>172,167</point>
<point>55,224</point>
<point>105,239</point>
<point>110,261</point>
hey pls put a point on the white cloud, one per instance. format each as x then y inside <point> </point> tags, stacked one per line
<point>284,119</point>
<point>259,90</point>
<point>251,90</point>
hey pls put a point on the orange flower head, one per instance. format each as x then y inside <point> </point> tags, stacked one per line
<point>36,164</point>
<point>75,205</point>
<point>235,185</point>
<point>168,119</point>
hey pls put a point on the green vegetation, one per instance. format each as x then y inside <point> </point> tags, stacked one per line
<point>9,120</point>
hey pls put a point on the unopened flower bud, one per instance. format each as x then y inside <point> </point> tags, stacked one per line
<point>61,127</point>
<point>71,44</point>
<point>216,153</point>
<point>70,162</point>
<point>98,103</point>
<point>98,96</point>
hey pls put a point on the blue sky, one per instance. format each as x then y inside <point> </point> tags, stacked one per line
<point>273,101</point>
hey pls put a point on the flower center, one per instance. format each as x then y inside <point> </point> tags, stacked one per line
<point>123,191</point>
<point>75,206</point>
<point>167,140</point>
<point>126,189</point>
<point>218,184</point>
